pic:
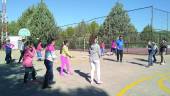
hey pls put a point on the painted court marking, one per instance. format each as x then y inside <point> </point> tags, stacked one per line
<point>135,83</point>
<point>162,86</point>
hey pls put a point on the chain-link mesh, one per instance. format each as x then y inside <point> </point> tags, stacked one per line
<point>157,19</point>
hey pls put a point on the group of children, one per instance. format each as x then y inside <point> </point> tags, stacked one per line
<point>153,50</point>
<point>116,48</point>
<point>28,51</point>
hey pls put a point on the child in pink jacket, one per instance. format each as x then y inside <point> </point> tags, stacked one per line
<point>28,61</point>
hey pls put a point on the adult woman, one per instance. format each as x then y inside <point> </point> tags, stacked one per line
<point>94,56</point>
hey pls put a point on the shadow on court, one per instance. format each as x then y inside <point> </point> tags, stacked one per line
<point>109,59</point>
<point>12,85</point>
<point>84,75</point>
<point>136,63</point>
<point>140,59</point>
<point>59,69</point>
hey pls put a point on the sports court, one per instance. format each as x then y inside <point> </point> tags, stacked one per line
<point>129,78</point>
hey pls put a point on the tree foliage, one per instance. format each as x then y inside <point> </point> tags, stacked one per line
<point>42,24</point>
<point>39,20</point>
<point>13,28</point>
<point>117,21</point>
<point>147,33</point>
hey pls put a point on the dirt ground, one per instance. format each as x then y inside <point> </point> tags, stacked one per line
<point>129,78</point>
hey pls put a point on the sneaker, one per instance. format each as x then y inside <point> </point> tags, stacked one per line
<point>99,82</point>
<point>162,63</point>
<point>25,82</point>
<point>70,73</point>
<point>36,82</point>
<point>44,87</point>
<point>92,82</point>
<point>147,66</point>
<point>52,82</point>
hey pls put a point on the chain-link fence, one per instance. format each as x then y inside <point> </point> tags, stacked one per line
<point>157,19</point>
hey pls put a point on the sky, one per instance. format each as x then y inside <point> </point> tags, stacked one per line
<point>72,11</point>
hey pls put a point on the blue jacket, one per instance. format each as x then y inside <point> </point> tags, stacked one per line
<point>119,44</point>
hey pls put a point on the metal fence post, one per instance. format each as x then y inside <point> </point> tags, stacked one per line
<point>84,44</point>
<point>151,33</point>
<point>167,21</point>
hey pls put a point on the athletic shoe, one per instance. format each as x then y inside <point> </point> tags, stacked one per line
<point>44,87</point>
<point>99,82</point>
<point>52,82</point>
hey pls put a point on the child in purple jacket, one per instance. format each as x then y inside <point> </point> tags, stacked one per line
<point>8,50</point>
<point>28,61</point>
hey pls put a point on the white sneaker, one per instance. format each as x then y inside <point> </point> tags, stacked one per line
<point>162,63</point>
<point>99,82</point>
<point>92,82</point>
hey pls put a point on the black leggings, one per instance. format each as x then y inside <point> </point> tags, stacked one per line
<point>119,55</point>
<point>154,56</point>
<point>49,73</point>
<point>27,71</point>
<point>21,56</point>
<point>8,57</point>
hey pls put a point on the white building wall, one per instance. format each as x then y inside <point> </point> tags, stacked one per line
<point>15,40</point>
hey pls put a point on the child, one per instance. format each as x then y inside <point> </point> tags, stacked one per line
<point>8,50</point>
<point>155,49</point>
<point>113,47</point>
<point>163,50</point>
<point>49,60</point>
<point>22,50</point>
<point>28,62</point>
<point>102,48</point>
<point>95,55</point>
<point>65,56</point>
<point>150,52</point>
<point>39,51</point>
<point>120,44</point>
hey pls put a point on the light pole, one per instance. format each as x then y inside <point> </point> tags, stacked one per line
<point>4,20</point>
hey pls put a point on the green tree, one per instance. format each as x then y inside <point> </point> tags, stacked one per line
<point>13,28</point>
<point>70,31</point>
<point>147,33</point>
<point>63,35</point>
<point>0,32</point>
<point>131,28</point>
<point>42,24</point>
<point>117,21</point>
<point>81,29</point>
<point>26,17</point>
<point>93,27</point>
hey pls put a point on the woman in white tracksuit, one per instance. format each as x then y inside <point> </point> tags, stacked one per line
<point>94,56</point>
